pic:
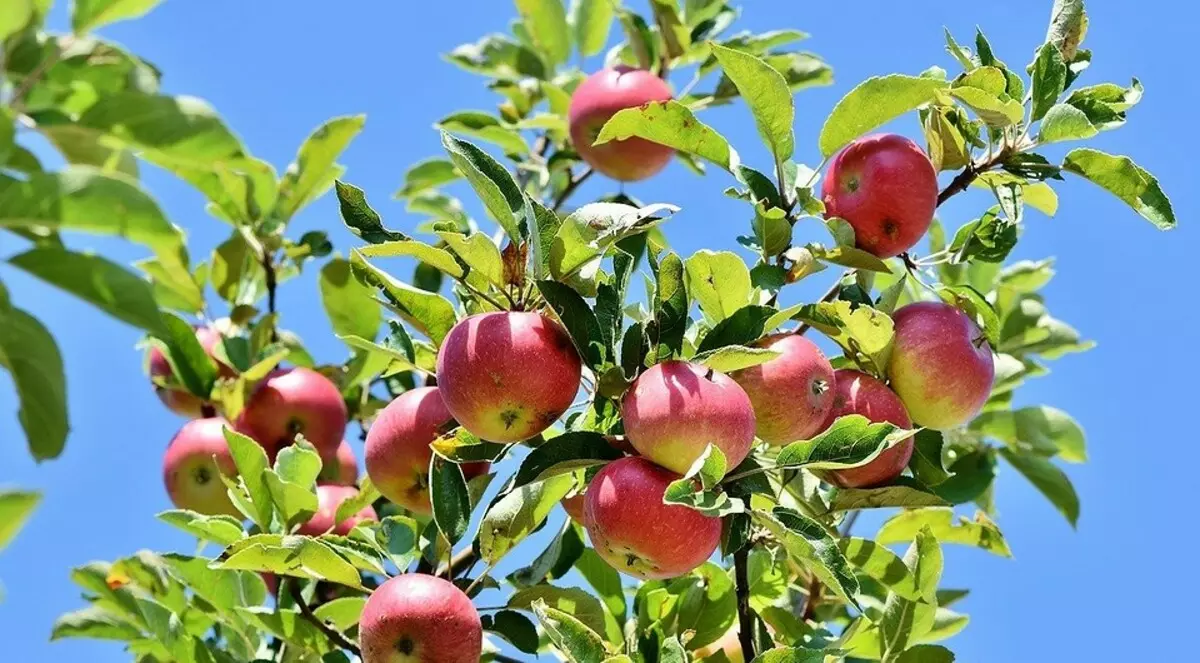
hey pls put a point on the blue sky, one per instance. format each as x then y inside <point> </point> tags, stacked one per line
<point>277,69</point>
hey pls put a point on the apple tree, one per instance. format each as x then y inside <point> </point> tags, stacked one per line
<point>711,457</point>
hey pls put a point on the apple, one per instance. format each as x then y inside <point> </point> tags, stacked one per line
<point>792,393</point>
<point>941,365</point>
<point>291,402</point>
<point>636,533</point>
<point>341,469</point>
<point>573,505</point>
<point>599,98</point>
<point>329,498</point>
<point>727,643</point>
<point>177,398</point>
<point>397,447</point>
<point>859,393</point>
<point>507,375</point>
<point>195,459</point>
<point>885,187</point>
<point>419,618</point>
<point>676,408</point>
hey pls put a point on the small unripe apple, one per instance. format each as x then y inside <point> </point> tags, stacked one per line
<point>635,532</point>
<point>175,396</point>
<point>329,498</point>
<point>941,365</point>
<point>676,409</point>
<point>885,187</point>
<point>341,469</point>
<point>419,618</point>
<point>859,393</point>
<point>507,375</point>
<point>398,452</point>
<point>595,101</point>
<point>792,393</point>
<point>195,459</point>
<point>291,402</point>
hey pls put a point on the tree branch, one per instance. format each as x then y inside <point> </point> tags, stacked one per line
<point>334,637</point>
<point>465,559</point>
<point>570,189</point>
<point>741,575</point>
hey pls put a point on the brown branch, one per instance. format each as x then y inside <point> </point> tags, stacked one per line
<point>334,637</point>
<point>570,189</point>
<point>465,559</point>
<point>741,574</point>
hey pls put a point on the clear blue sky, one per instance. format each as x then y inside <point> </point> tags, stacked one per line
<point>277,69</point>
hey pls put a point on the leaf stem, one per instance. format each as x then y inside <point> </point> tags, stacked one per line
<point>741,572</point>
<point>334,637</point>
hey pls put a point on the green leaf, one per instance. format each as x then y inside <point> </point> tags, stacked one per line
<point>486,127</point>
<point>94,622</point>
<point>807,541</point>
<point>734,358</point>
<point>293,556</point>
<point>315,167</point>
<point>13,18</point>
<point>584,607</point>
<point>709,468</point>
<point>579,320</point>
<point>973,303</point>
<point>360,218</point>
<point>1068,25</point>
<point>30,355</point>
<point>98,281</point>
<point>1124,179</point>
<point>351,308</point>
<point>980,532</point>
<point>341,613</point>
<point>513,627</point>
<point>1042,429</point>
<point>1049,479</point>
<point>858,330</point>
<point>492,182</point>
<point>546,21</point>
<point>768,96</point>
<point>515,515</point>
<point>430,255</point>
<point>1065,122</point>
<point>189,360</point>
<point>851,441</point>
<point>221,530</point>
<point>427,174</point>
<point>670,306</point>
<point>901,494</point>
<point>451,501</point>
<point>498,56</point>
<point>1049,73</point>
<point>87,15</point>
<point>15,508</point>
<point>569,635</point>
<point>179,133</point>
<point>791,655</point>
<point>605,580</point>
<point>251,463</point>
<point>926,654</point>
<point>559,555</point>
<point>882,565</point>
<point>429,312</point>
<point>398,538</point>
<point>904,621</point>
<point>294,502</point>
<point>591,231</point>
<point>480,253</point>
<point>563,454</point>
<point>873,103</point>
<point>745,326</point>
<point>719,281</point>
<point>674,125</point>
<point>591,21</point>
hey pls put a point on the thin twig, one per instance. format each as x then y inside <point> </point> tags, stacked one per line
<point>570,189</point>
<point>741,574</point>
<point>464,559</point>
<point>268,265</point>
<point>18,98</point>
<point>334,637</point>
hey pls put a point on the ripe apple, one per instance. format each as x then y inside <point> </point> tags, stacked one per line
<point>599,98</point>
<point>573,505</point>
<point>792,393</point>
<point>329,498</point>
<point>676,409</point>
<point>941,365</point>
<point>341,469</point>
<point>190,472</point>
<point>294,401</point>
<point>419,618</point>
<point>506,376</point>
<point>177,398</point>
<point>886,188</point>
<point>635,532</point>
<point>859,393</point>
<point>397,448</point>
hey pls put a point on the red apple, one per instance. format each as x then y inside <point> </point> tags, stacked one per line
<point>195,459</point>
<point>177,398</point>
<point>599,98</point>
<point>941,365</point>
<point>635,532</point>
<point>859,393</point>
<point>295,401</point>
<point>419,618</point>
<point>329,498</point>
<point>886,188</point>
<point>792,393</point>
<point>507,376</point>
<point>676,409</point>
<point>573,505</point>
<point>398,452</point>
<point>341,469</point>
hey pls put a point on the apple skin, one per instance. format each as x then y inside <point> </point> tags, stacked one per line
<point>636,533</point>
<point>295,401</point>
<point>329,498</point>
<point>419,618</point>
<point>506,375</point>
<point>792,393</point>
<point>886,188</point>
<point>341,469</point>
<point>676,408</point>
<point>190,474</point>
<point>178,399</point>
<point>397,448</point>
<point>597,99</point>
<point>859,393</point>
<point>573,505</point>
<point>941,365</point>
